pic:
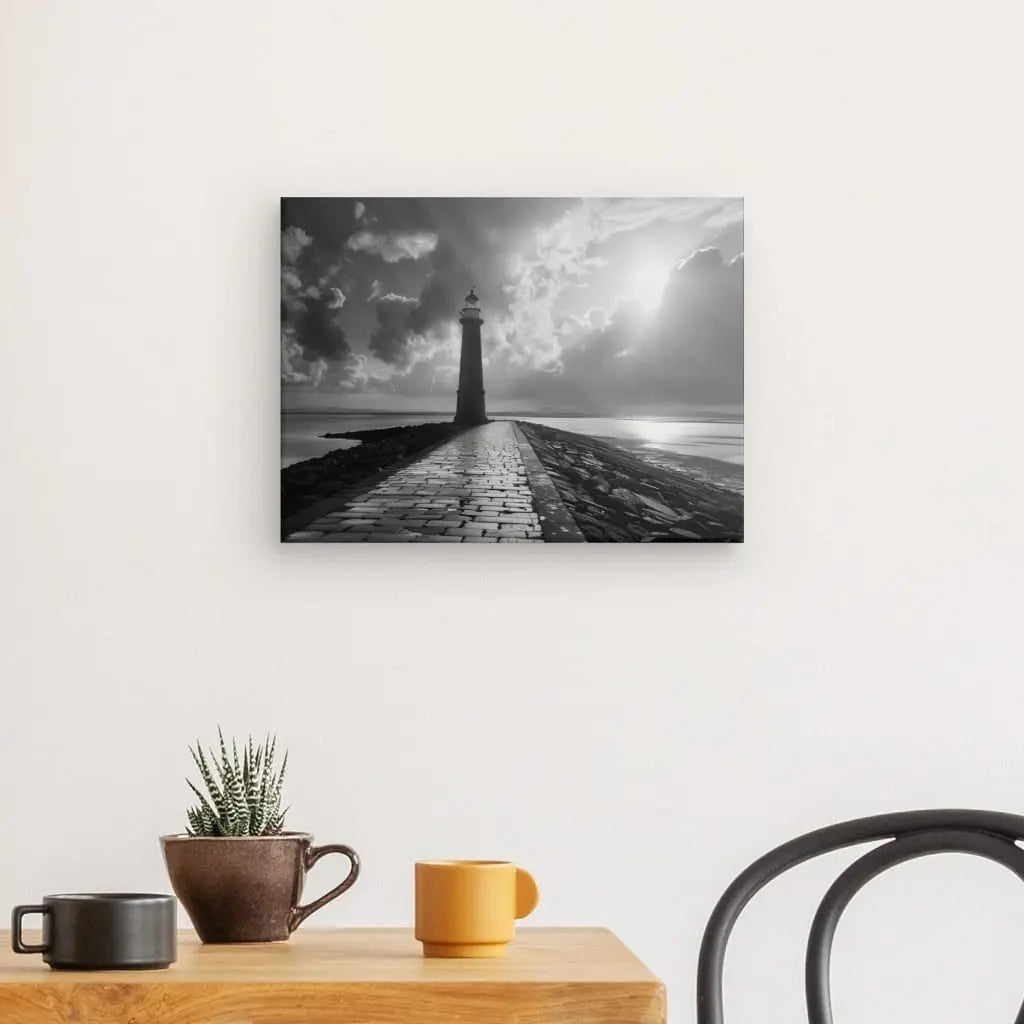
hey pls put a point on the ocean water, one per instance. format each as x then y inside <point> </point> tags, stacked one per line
<point>711,439</point>
<point>300,431</point>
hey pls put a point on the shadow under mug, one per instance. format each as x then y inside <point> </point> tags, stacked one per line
<point>102,931</point>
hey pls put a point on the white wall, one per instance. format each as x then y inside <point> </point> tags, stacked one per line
<point>634,724</point>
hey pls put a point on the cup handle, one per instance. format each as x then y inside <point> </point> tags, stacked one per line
<point>312,855</point>
<point>527,895</point>
<point>18,914</point>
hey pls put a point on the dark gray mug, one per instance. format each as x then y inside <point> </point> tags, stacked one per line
<point>102,931</point>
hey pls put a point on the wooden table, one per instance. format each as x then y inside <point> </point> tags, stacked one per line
<point>350,976</point>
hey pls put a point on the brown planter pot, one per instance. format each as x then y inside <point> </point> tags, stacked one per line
<point>247,888</point>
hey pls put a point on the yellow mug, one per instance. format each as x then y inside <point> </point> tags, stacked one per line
<point>469,908</point>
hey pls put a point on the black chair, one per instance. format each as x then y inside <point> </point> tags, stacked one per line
<point>913,834</point>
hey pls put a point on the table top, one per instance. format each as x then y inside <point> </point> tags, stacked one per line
<point>369,975</point>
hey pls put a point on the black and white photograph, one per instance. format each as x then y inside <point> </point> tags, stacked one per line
<point>511,370</point>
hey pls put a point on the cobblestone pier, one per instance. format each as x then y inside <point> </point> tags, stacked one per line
<point>473,489</point>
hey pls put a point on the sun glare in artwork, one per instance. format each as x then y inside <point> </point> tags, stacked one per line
<point>655,431</point>
<point>649,283</point>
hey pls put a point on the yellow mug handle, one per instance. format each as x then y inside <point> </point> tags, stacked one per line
<point>527,896</point>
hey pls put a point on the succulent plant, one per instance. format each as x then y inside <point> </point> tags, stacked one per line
<point>243,798</point>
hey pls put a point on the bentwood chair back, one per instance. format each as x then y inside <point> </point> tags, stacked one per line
<point>911,834</point>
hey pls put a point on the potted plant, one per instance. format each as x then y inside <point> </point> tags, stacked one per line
<point>237,872</point>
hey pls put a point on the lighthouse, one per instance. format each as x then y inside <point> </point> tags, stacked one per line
<point>469,409</point>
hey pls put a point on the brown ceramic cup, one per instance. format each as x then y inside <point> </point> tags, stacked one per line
<point>247,888</point>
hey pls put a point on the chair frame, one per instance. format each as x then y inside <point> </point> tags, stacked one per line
<point>911,834</point>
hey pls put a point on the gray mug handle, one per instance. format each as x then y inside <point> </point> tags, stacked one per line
<point>17,916</point>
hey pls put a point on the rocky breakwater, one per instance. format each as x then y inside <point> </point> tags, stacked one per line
<point>616,496</point>
<point>305,483</point>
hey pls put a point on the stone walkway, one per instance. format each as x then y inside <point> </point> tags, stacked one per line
<point>472,489</point>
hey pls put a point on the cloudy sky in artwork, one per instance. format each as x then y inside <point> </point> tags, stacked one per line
<point>590,306</point>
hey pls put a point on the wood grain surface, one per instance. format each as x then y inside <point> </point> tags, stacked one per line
<point>349,976</point>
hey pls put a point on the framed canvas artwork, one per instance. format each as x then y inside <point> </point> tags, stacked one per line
<point>511,370</point>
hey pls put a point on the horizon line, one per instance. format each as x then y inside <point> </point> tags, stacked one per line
<point>703,413</point>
